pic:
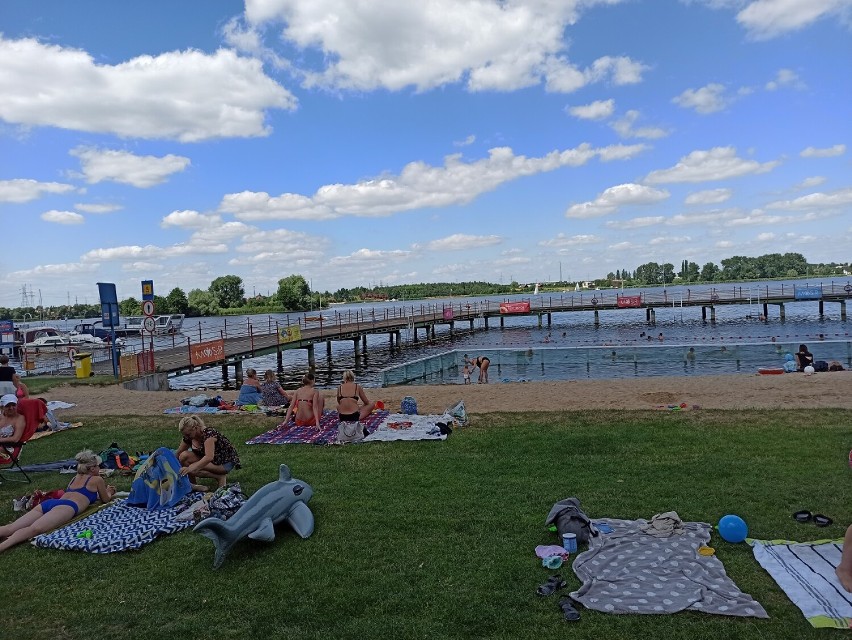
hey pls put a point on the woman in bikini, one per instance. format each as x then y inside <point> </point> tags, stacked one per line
<point>83,490</point>
<point>307,404</point>
<point>348,394</point>
<point>483,363</point>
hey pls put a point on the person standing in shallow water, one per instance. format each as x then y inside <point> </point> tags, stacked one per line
<point>483,362</point>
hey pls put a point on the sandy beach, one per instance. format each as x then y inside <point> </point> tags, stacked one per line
<point>747,391</point>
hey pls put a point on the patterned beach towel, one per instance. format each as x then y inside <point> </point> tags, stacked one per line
<point>399,426</point>
<point>805,571</point>
<point>629,571</point>
<point>187,408</point>
<point>116,527</point>
<point>289,433</point>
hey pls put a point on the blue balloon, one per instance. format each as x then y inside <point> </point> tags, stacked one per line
<point>733,528</point>
<point>788,357</point>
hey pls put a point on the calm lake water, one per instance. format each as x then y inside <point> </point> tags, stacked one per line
<point>584,349</point>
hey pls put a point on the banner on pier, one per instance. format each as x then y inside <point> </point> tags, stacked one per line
<point>808,293</point>
<point>625,302</point>
<point>206,352</point>
<point>289,334</point>
<point>514,307</point>
<point>448,313</point>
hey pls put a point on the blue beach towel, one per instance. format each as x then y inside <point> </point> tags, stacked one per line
<point>249,394</point>
<point>158,483</point>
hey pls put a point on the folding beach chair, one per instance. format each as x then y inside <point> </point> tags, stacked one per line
<point>33,411</point>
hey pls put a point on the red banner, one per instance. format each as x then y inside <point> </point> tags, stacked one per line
<point>448,313</point>
<point>205,352</point>
<point>514,307</point>
<point>629,301</point>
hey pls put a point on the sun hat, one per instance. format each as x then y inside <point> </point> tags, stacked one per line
<point>9,398</point>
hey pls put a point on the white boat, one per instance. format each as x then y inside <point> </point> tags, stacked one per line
<point>50,343</point>
<point>167,324</point>
<point>85,340</point>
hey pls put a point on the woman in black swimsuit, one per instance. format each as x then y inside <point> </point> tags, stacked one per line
<point>483,363</point>
<point>348,395</point>
<point>84,489</point>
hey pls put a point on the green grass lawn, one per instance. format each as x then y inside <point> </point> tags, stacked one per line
<point>39,384</point>
<point>436,539</point>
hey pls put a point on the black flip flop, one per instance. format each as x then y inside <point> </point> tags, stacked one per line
<point>553,584</point>
<point>822,521</point>
<point>568,611</point>
<point>803,516</point>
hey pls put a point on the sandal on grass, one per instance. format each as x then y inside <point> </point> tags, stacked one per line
<point>568,611</point>
<point>553,584</point>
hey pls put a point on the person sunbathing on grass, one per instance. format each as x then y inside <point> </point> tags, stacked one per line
<point>348,395</point>
<point>205,453</point>
<point>307,404</point>
<point>83,490</point>
<point>844,569</point>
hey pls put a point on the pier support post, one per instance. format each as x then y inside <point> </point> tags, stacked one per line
<point>432,331</point>
<point>416,339</point>
<point>357,345</point>
<point>328,349</point>
<point>486,321</point>
<point>364,343</point>
<point>452,324</point>
<point>539,321</point>
<point>225,374</point>
<point>312,361</point>
<point>502,324</point>
<point>390,335</point>
<point>821,308</point>
<point>843,309</point>
<point>549,319</point>
<point>238,372</point>
<point>703,313</point>
<point>781,312</point>
<point>597,318</point>
<point>648,314</point>
<point>279,361</point>
<point>653,315</point>
<point>471,324</point>
<point>399,339</point>
<point>765,311</point>
<point>712,315</point>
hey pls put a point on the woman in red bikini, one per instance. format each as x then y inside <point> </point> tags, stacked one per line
<point>84,489</point>
<point>307,404</point>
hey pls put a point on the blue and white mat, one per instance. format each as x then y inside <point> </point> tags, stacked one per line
<point>115,527</point>
<point>805,571</point>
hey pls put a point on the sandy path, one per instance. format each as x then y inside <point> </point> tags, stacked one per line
<point>789,391</point>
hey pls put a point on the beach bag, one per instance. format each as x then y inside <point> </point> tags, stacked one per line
<point>821,366</point>
<point>459,413</point>
<point>348,432</point>
<point>408,406</point>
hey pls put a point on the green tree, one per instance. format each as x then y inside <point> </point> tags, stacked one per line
<point>667,273</point>
<point>227,291</point>
<point>202,303</point>
<point>177,301</point>
<point>709,272</point>
<point>130,307</point>
<point>293,292</point>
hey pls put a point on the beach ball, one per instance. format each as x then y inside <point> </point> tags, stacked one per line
<point>809,370</point>
<point>732,528</point>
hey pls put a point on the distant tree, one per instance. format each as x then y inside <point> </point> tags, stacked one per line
<point>177,301</point>
<point>667,273</point>
<point>202,303</point>
<point>227,291</point>
<point>293,292</point>
<point>709,272</point>
<point>130,307</point>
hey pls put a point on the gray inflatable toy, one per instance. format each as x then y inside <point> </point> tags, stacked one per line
<point>284,499</point>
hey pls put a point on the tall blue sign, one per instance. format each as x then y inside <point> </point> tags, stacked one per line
<point>109,304</point>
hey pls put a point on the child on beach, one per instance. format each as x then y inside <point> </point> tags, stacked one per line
<point>466,373</point>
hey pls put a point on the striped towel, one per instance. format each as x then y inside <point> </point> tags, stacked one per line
<point>805,571</point>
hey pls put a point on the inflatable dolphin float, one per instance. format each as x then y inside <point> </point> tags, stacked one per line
<point>284,499</point>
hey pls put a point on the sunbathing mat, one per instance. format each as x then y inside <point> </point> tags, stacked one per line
<point>628,571</point>
<point>49,432</point>
<point>186,408</point>
<point>289,433</point>
<point>805,571</point>
<point>399,426</point>
<point>116,527</point>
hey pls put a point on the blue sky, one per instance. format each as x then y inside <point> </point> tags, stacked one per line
<point>377,141</point>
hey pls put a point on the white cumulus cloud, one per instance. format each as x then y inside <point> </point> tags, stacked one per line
<point>785,78</point>
<point>561,240</point>
<point>189,219</point>
<point>615,197</point>
<point>418,186</point>
<point>708,99</point>
<point>184,95</point>
<point>597,110</point>
<point>719,163</point>
<point>710,196</point>
<point>624,127</point>
<point>830,152</point>
<point>816,201</point>
<point>62,217</point>
<point>766,19</point>
<point>388,44</point>
<point>94,207</point>
<point>24,190</point>
<point>110,165</point>
<point>461,241</point>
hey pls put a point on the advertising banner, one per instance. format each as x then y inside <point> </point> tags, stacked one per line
<point>514,307</point>
<point>625,302</point>
<point>289,334</point>
<point>205,352</point>
<point>807,293</point>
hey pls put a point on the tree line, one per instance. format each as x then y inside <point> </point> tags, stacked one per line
<point>226,294</point>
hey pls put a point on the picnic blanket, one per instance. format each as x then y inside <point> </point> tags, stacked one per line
<point>805,571</point>
<point>398,426</point>
<point>116,527</point>
<point>52,405</point>
<point>289,433</point>
<point>629,571</point>
<point>62,426</point>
